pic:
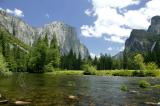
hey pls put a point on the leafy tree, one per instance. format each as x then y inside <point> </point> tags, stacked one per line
<point>139,61</point>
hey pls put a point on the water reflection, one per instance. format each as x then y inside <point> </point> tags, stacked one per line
<point>49,90</point>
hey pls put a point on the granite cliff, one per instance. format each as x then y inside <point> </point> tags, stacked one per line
<point>65,34</point>
<point>143,41</point>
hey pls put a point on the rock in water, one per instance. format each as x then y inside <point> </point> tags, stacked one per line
<point>72,97</point>
<point>152,103</point>
<point>3,101</point>
<point>22,103</point>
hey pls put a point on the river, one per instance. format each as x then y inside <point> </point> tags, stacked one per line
<point>52,90</point>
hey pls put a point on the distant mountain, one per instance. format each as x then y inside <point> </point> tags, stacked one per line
<point>65,34</point>
<point>118,55</point>
<point>141,41</point>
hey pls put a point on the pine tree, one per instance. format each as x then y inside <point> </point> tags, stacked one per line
<point>54,53</point>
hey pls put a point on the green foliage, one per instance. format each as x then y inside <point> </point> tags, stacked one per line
<point>43,57</point>
<point>37,57</point>
<point>49,67</point>
<point>156,86</point>
<point>151,66</point>
<point>122,73</point>
<point>66,72</point>
<point>117,64</point>
<point>124,88</point>
<point>3,67</point>
<point>53,53</point>
<point>139,60</point>
<point>13,50</point>
<point>144,84</point>
<point>89,69</point>
<point>105,62</point>
<point>139,73</point>
<point>71,62</point>
<point>153,73</point>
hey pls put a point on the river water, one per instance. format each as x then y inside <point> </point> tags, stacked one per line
<point>51,90</point>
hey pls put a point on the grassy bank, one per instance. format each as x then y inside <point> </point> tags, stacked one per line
<point>66,72</point>
<point>138,73</point>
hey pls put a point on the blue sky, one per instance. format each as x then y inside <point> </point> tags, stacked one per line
<point>102,25</point>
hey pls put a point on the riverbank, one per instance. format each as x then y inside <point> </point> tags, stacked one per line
<point>138,73</point>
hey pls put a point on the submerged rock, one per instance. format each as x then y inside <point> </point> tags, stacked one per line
<point>3,101</point>
<point>133,91</point>
<point>152,103</point>
<point>22,103</point>
<point>72,97</point>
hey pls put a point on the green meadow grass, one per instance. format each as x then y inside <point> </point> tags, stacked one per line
<point>130,73</point>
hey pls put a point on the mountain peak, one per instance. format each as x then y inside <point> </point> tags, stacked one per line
<point>66,35</point>
<point>155,20</point>
<point>155,25</point>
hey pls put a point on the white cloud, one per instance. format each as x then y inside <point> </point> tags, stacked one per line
<point>110,49</point>
<point>93,55</point>
<point>109,21</point>
<point>116,39</point>
<point>18,13</point>
<point>15,12</point>
<point>88,12</point>
<point>9,11</point>
<point>1,9</point>
<point>114,3</point>
<point>47,15</point>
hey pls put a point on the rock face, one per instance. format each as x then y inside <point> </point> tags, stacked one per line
<point>141,41</point>
<point>155,25</point>
<point>65,34</point>
<point>118,55</point>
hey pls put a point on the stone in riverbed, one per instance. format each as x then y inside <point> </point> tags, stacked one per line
<point>134,91</point>
<point>72,97</point>
<point>3,101</point>
<point>152,103</point>
<point>22,103</point>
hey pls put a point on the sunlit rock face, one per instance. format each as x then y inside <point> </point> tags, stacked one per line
<point>142,41</point>
<point>65,34</point>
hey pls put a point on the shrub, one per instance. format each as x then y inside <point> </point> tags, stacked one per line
<point>151,66</point>
<point>156,86</point>
<point>139,73</point>
<point>153,73</point>
<point>135,73</point>
<point>48,68</point>
<point>144,84</point>
<point>139,61</point>
<point>4,71</point>
<point>89,69</point>
<point>122,73</point>
<point>124,88</point>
